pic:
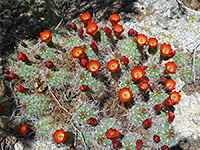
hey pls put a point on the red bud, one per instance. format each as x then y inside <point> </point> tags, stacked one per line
<point>21,56</point>
<point>156,138</point>
<point>172,54</point>
<point>68,27</point>
<point>73,25</point>
<point>94,46</point>
<point>84,88</point>
<point>49,64</point>
<point>12,75</point>
<point>163,79</point>
<point>6,71</point>
<point>152,86</point>
<point>91,121</point>
<point>169,102</point>
<point>147,122</point>
<point>138,144</point>
<point>135,33</point>
<point>21,89</point>
<point>124,60</point>
<point>37,56</point>
<point>83,62</point>
<point>80,32</point>
<point>171,117</point>
<point>158,106</point>
<point>23,44</point>
<point>143,67</point>
<point>115,143</point>
<point>107,30</point>
<point>131,32</point>
<point>165,147</point>
<point>5,77</point>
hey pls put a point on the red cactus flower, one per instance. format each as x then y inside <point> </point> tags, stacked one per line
<point>165,147</point>
<point>45,36</point>
<point>124,60</point>
<point>125,94</point>
<point>91,28</point>
<point>37,56</point>
<point>175,96</point>
<point>23,128</point>
<point>171,117</point>
<point>21,89</point>
<point>85,17</point>
<point>118,30</point>
<point>93,45</point>
<point>131,32</point>
<point>83,62</point>
<point>144,85</point>
<point>113,65</point>
<point>21,56</point>
<point>91,121</point>
<point>166,51</point>
<point>137,74</point>
<point>73,26</point>
<point>115,143</point>
<point>168,102</point>
<point>111,133</point>
<point>77,52</point>
<point>80,32</point>
<point>170,85</point>
<point>6,71</point>
<point>153,43</point>
<point>170,68</point>
<point>156,138</point>
<point>49,64</point>
<point>93,66</point>
<point>84,88</point>
<point>138,144</point>
<point>60,136</point>
<point>158,106</point>
<point>107,30</point>
<point>147,123</point>
<point>12,75</point>
<point>141,39</point>
<point>114,19</point>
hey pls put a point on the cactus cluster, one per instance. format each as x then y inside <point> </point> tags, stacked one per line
<point>123,82</point>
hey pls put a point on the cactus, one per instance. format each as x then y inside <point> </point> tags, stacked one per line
<point>43,125</point>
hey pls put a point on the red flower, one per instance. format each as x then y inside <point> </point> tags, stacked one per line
<point>156,138</point>
<point>171,117</point>
<point>23,128</point>
<point>80,32</point>
<point>165,147</point>
<point>85,17</point>
<point>93,66</point>
<point>168,102</point>
<point>170,85</point>
<point>113,65</point>
<point>115,143</point>
<point>107,30</point>
<point>49,64</point>
<point>91,121</point>
<point>144,85</point>
<point>83,62</point>
<point>131,32</point>
<point>93,45</point>
<point>91,28</point>
<point>21,89</point>
<point>166,51</point>
<point>170,67</point>
<point>77,52</point>
<point>138,144</point>
<point>60,136</point>
<point>21,56</point>
<point>124,60</point>
<point>118,29</point>
<point>114,19</point>
<point>175,96</point>
<point>12,76</point>
<point>158,106</point>
<point>147,122</point>
<point>45,36</point>
<point>137,74</point>
<point>153,43</point>
<point>111,133</point>
<point>141,39</point>
<point>84,88</point>
<point>125,94</point>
